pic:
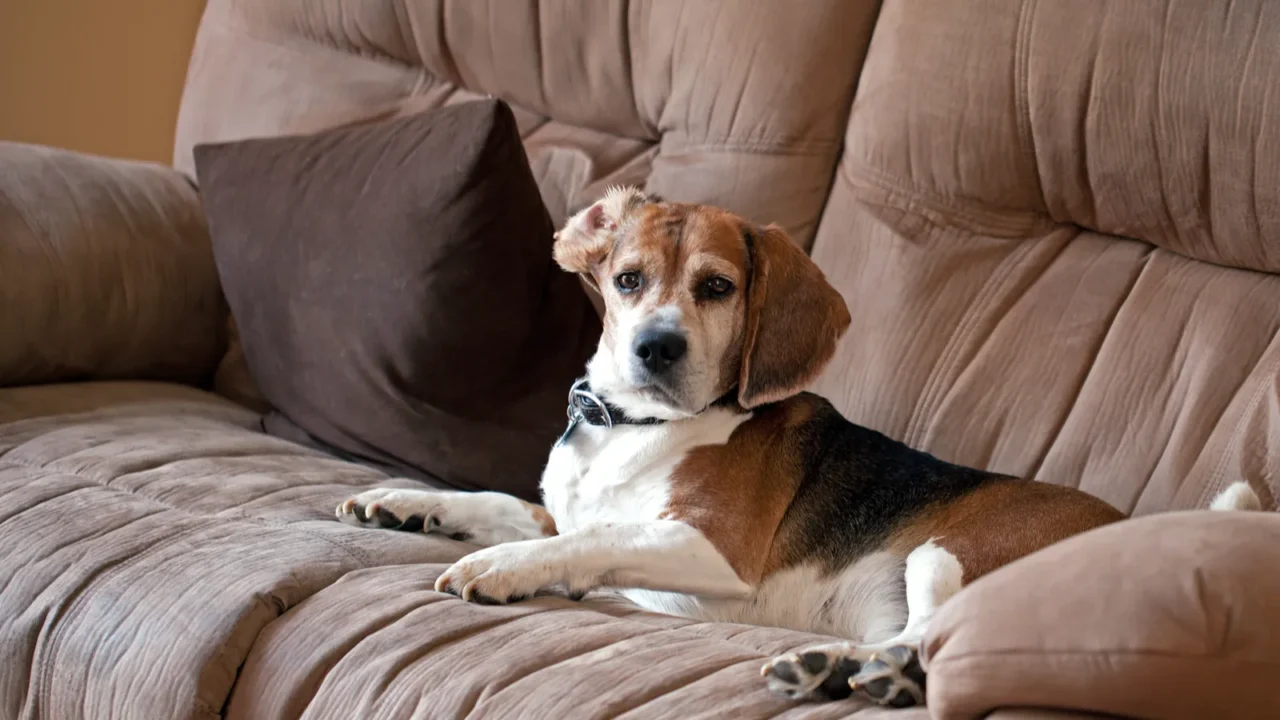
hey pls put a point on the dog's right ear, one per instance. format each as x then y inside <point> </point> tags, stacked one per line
<point>586,239</point>
<point>584,242</point>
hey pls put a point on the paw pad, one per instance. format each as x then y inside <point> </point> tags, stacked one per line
<point>812,675</point>
<point>892,677</point>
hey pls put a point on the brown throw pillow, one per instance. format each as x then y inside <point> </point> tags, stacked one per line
<point>395,294</point>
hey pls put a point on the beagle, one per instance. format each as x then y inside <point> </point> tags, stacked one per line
<point>698,478</point>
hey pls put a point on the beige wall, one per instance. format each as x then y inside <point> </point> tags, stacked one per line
<point>100,76</point>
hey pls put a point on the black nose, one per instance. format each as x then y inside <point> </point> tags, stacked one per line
<point>659,349</point>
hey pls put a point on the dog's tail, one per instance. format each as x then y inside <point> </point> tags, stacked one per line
<point>1237,496</point>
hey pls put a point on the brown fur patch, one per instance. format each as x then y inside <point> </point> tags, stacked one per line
<point>1003,521</point>
<point>675,246</point>
<point>736,494</point>
<point>543,518</point>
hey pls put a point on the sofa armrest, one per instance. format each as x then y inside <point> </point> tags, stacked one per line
<point>106,271</point>
<point>1173,616</point>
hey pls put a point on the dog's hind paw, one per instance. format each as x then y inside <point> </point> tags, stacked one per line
<point>890,676</point>
<point>893,677</point>
<point>819,673</point>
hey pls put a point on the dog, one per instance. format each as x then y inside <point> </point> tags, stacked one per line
<point>697,477</point>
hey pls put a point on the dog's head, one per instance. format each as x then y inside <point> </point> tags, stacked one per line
<point>698,301</point>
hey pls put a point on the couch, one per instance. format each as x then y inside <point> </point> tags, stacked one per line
<point>1054,224</point>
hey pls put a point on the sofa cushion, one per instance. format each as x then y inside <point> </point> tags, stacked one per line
<point>991,325</point>
<point>149,531</point>
<point>105,271</point>
<point>1168,616</point>
<point>159,552</point>
<point>1146,120</point>
<point>382,643</point>
<point>395,295</point>
<point>696,101</point>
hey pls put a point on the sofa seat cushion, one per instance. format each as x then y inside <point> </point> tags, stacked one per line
<point>381,643</point>
<point>161,557</point>
<point>153,537</point>
<point>148,533</point>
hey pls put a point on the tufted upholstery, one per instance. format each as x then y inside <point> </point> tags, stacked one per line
<point>1145,120</point>
<point>688,99</point>
<point>1050,220</point>
<point>1054,225</point>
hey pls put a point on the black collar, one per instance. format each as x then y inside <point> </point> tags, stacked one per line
<point>588,407</point>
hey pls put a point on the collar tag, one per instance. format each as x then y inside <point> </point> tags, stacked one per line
<point>586,406</point>
<point>564,436</point>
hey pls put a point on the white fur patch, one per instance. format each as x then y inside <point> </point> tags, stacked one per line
<point>659,554</point>
<point>486,518</point>
<point>615,373</point>
<point>1237,496</point>
<point>863,602</point>
<point>623,474</point>
<point>618,200</point>
<point>933,575</point>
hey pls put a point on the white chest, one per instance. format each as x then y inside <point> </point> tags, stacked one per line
<point>623,474</point>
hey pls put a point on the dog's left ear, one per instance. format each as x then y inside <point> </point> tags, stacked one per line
<point>795,318</point>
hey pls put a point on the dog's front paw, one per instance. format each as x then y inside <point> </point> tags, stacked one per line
<point>496,575</point>
<point>393,508</point>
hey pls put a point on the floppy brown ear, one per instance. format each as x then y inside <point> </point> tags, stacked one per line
<point>794,320</point>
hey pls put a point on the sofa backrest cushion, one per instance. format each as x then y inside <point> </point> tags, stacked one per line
<point>1053,224</point>
<point>719,101</point>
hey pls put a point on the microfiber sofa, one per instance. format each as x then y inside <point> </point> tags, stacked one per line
<point>1056,226</point>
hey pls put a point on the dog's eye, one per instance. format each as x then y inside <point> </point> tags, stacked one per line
<point>719,286</point>
<point>627,281</point>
